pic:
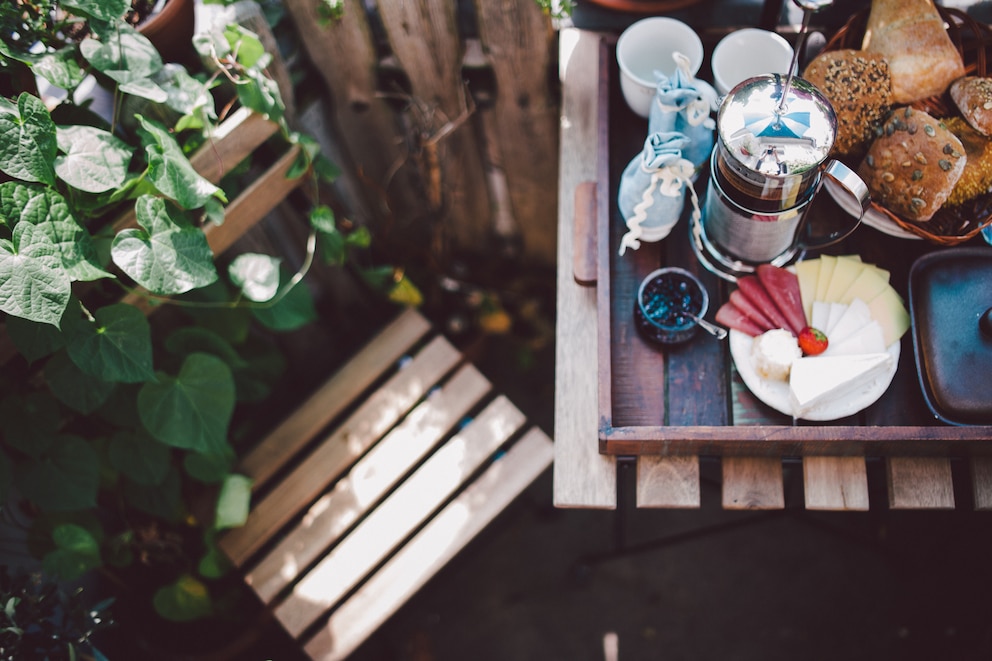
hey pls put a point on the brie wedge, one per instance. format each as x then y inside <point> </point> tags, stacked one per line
<point>814,380</point>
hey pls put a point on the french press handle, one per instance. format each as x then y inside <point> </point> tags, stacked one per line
<point>850,192</point>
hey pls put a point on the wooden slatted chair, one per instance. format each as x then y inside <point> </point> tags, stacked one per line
<point>375,482</point>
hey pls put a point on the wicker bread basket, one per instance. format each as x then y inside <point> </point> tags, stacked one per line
<point>956,224</point>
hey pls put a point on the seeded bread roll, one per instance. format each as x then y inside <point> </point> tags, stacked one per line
<point>912,166</point>
<point>973,97</point>
<point>859,88</point>
<point>977,176</point>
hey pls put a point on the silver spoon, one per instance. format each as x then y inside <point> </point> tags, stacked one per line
<point>714,330</point>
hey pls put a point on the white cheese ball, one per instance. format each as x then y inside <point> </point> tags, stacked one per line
<point>773,352</point>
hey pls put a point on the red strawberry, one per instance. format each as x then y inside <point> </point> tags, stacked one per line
<point>812,341</point>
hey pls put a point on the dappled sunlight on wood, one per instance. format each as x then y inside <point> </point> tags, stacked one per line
<point>399,515</point>
<point>369,480</point>
<point>432,547</point>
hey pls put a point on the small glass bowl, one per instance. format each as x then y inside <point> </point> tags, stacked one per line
<point>663,299</point>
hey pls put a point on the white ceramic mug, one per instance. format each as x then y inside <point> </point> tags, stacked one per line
<point>746,53</point>
<point>648,46</point>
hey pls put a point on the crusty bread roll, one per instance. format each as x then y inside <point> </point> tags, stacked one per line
<point>973,97</point>
<point>911,35</point>
<point>858,86</point>
<point>912,167</point>
<point>976,179</point>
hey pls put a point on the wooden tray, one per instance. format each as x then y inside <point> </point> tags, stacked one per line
<point>689,400</point>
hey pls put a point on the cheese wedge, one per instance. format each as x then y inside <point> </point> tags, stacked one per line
<point>891,314</point>
<point>846,271</point>
<point>820,316</point>
<point>808,272</point>
<point>855,316</point>
<point>827,264</point>
<point>816,380</point>
<point>837,311</point>
<point>867,339</point>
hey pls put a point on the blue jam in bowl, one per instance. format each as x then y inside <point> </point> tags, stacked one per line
<point>663,299</point>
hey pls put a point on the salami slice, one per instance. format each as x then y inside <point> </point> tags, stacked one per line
<point>744,304</point>
<point>783,287</point>
<point>752,288</point>
<point>731,317</point>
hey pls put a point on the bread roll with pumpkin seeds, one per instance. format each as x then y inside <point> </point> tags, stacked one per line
<point>912,166</point>
<point>976,179</point>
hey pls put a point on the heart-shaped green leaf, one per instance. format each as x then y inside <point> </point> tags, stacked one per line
<point>115,347</point>
<point>169,256</point>
<point>47,210</point>
<point>73,387</point>
<point>140,457</point>
<point>121,53</point>
<point>145,88</point>
<point>33,283</point>
<point>104,10</point>
<point>60,68</point>
<point>65,478</point>
<point>256,275</point>
<point>94,160</point>
<point>34,340</point>
<point>27,140</point>
<point>169,169</point>
<point>76,552</point>
<point>193,409</point>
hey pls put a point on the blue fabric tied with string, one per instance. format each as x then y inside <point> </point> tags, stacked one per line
<point>684,103</point>
<point>652,189</point>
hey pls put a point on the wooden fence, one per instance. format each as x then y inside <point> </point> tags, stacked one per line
<point>444,117</point>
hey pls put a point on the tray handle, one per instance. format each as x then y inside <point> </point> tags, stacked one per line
<point>584,253</point>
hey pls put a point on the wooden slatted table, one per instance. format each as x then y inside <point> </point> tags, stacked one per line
<point>587,444</point>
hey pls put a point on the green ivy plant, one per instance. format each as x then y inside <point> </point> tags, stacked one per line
<point>106,425</point>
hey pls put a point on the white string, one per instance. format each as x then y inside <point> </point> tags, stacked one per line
<point>671,177</point>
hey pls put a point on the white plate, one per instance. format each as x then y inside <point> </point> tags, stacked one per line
<point>873,217</point>
<point>775,393</point>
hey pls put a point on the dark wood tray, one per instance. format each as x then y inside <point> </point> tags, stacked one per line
<point>689,399</point>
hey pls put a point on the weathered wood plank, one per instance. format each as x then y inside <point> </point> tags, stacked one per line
<point>667,482</point>
<point>981,482</point>
<point>374,153</point>
<point>432,548</point>
<point>919,483</point>
<point>753,483</point>
<point>522,127</point>
<point>835,483</point>
<point>582,476</point>
<point>365,426</point>
<point>424,38</point>
<point>337,393</point>
<point>368,481</point>
<point>395,518</point>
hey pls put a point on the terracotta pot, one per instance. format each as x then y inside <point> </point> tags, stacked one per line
<point>171,31</point>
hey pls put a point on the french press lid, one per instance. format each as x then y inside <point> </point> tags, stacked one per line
<point>772,136</point>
